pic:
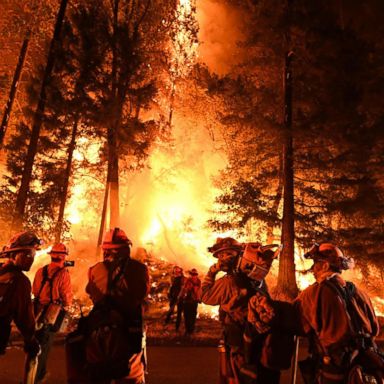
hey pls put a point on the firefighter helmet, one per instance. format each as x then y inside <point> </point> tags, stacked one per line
<point>193,272</point>
<point>256,260</point>
<point>22,241</point>
<point>223,244</point>
<point>115,239</point>
<point>330,253</point>
<point>59,251</point>
<point>177,270</point>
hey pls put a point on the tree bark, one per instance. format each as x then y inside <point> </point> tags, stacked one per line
<point>113,181</point>
<point>68,172</point>
<point>113,159</point>
<point>103,217</point>
<point>22,194</point>
<point>276,201</point>
<point>286,278</point>
<point>15,83</point>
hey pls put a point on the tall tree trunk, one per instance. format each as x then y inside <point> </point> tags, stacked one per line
<point>276,201</point>
<point>68,172</point>
<point>22,195</point>
<point>15,83</point>
<point>286,279</point>
<point>171,103</point>
<point>113,180</point>
<point>103,217</point>
<point>113,160</point>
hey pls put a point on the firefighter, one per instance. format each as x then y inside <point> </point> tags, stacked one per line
<point>190,298</point>
<point>132,288</point>
<point>338,318</point>
<point>53,298</point>
<point>178,279</point>
<point>15,292</point>
<point>232,293</point>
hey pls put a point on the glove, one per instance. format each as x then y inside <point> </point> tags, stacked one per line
<point>32,347</point>
<point>261,312</point>
<point>214,269</point>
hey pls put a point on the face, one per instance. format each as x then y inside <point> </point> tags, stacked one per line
<point>227,259</point>
<point>319,268</point>
<point>110,254</point>
<point>58,259</point>
<point>24,259</point>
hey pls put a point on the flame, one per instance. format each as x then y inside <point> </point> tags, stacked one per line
<point>184,47</point>
<point>81,211</point>
<point>208,311</point>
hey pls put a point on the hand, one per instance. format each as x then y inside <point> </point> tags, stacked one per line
<point>214,269</point>
<point>32,347</point>
<point>261,312</point>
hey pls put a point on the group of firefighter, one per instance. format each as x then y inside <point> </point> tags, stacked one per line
<point>184,295</point>
<point>259,333</point>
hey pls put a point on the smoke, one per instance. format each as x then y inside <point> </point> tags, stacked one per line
<point>219,35</point>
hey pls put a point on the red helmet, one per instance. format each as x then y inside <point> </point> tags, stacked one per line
<point>22,241</point>
<point>330,253</point>
<point>115,239</point>
<point>193,272</point>
<point>177,270</point>
<point>59,251</point>
<point>223,244</point>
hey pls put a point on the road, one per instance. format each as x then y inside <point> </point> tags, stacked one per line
<point>167,365</point>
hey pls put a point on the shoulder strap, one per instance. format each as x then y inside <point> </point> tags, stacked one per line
<point>113,281</point>
<point>347,294</point>
<point>50,280</point>
<point>45,279</point>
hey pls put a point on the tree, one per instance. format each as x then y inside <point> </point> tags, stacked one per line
<point>323,101</point>
<point>12,93</point>
<point>39,113</point>
<point>132,38</point>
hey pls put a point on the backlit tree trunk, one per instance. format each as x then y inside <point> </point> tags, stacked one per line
<point>276,201</point>
<point>64,192</point>
<point>103,219</point>
<point>113,159</point>
<point>15,82</point>
<point>286,279</point>
<point>113,180</point>
<point>22,194</point>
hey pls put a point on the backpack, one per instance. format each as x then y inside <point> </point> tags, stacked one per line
<point>111,338</point>
<point>367,365</point>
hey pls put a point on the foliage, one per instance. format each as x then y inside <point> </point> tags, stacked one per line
<point>338,193</point>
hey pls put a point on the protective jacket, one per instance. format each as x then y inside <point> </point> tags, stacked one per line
<point>191,290</point>
<point>131,289</point>
<point>15,304</point>
<point>323,312</point>
<point>177,284</point>
<point>128,295</point>
<point>232,293</point>
<point>341,324</point>
<point>59,292</point>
